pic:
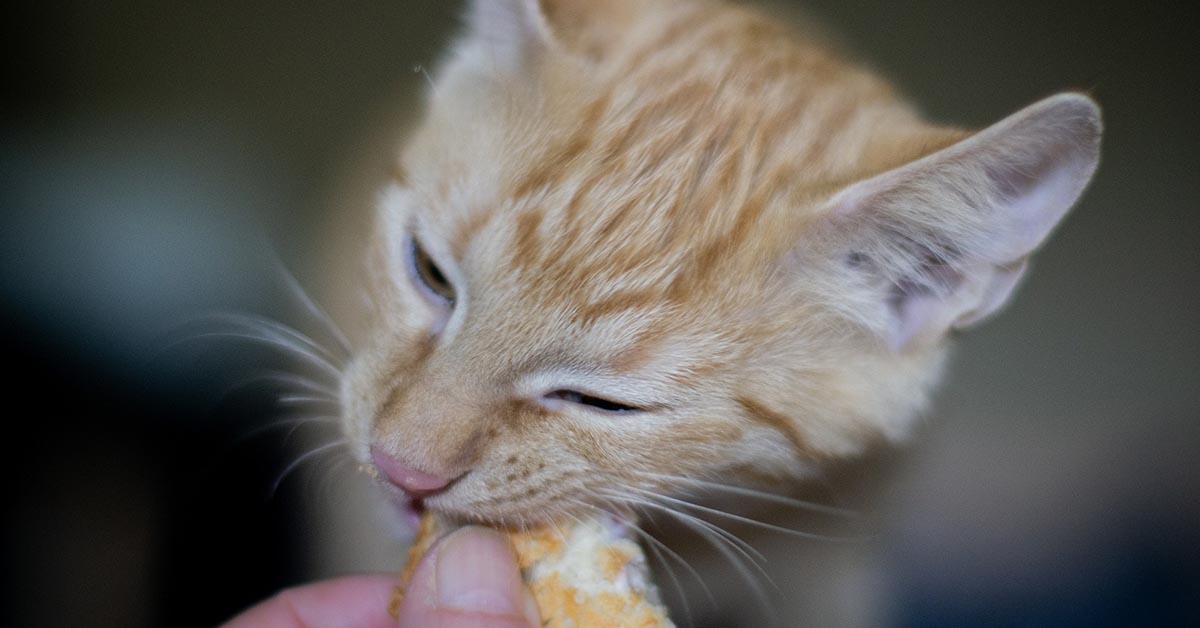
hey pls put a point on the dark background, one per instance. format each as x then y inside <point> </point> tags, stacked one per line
<point>155,158</point>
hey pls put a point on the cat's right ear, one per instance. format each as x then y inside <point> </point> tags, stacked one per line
<point>941,242</point>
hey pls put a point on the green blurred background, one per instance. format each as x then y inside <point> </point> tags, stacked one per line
<point>156,157</point>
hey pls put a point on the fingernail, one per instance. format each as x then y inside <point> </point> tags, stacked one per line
<point>477,572</point>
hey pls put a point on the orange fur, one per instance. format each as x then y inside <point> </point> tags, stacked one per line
<point>657,201</point>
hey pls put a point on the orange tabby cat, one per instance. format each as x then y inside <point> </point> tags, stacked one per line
<point>640,243</point>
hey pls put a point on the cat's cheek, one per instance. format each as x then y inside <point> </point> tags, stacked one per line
<point>367,380</point>
<point>730,450</point>
<point>537,479</point>
<point>355,393</point>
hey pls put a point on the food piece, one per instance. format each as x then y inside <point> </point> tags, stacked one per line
<point>588,574</point>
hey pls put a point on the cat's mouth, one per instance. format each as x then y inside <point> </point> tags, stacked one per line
<point>409,507</point>
<point>414,509</point>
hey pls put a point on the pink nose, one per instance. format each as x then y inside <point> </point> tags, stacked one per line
<point>411,480</point>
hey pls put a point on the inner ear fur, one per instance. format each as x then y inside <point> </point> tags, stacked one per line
<point>946,236</point>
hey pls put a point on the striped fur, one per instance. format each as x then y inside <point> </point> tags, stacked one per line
<point>647,200</point>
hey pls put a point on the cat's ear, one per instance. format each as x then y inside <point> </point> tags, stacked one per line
<point>514,31</point>
<point>944,239</point>
<point>508,31</point>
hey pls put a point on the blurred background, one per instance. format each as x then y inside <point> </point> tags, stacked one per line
<point>163,160</point>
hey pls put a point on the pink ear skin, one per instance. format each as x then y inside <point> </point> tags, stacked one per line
<point>1004,280</point>
<point>949,233</point>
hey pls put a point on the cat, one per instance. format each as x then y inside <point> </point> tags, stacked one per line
<point>638,245</point>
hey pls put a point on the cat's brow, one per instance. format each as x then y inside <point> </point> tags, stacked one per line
<point>468,228</point>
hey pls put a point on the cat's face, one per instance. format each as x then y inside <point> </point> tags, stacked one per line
<point>664,242</point>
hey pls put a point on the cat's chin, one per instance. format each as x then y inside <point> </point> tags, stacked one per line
<point>408,509</point>
<point>526,518</point>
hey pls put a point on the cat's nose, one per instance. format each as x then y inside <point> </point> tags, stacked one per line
<point>414,481</point>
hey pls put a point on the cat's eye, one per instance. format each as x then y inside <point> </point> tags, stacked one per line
<point>597,403</point>
<point>430,276</point>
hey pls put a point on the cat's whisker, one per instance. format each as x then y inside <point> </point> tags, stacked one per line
<point>659,545</point>
<point>306,399</point>
<point>308,421</point>
<point>290,348</point>
<point>322,474</point>
<point>300,460</point>
<point>295,423</point>
<point>641,504</point>
<point>743,491</point>
<point>301,382</point>
<point>558,529</point>
<point>675,584</point>
<point>314,310</point>
<point>731,552</point>
<point>742,547</point>
<point>330,476</point>
<point>764,599</point>
<point>258,323</point>
<point>654,544</point>
<point>280,378</point>
<point>428,79</point>
<point>742,519</point>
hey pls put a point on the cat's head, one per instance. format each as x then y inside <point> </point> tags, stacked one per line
<point>634,241</point>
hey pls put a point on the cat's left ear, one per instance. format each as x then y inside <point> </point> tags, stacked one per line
<point>943,240</point>
<point>513,32</point>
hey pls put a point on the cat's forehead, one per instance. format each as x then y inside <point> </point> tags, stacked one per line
<point>687,145</point>
<point>638,190</point>
<point>678,171</point>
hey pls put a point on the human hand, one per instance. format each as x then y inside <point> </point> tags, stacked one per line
<point>469,579</point>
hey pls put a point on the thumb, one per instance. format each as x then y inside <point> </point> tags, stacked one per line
<point>469,580</point>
